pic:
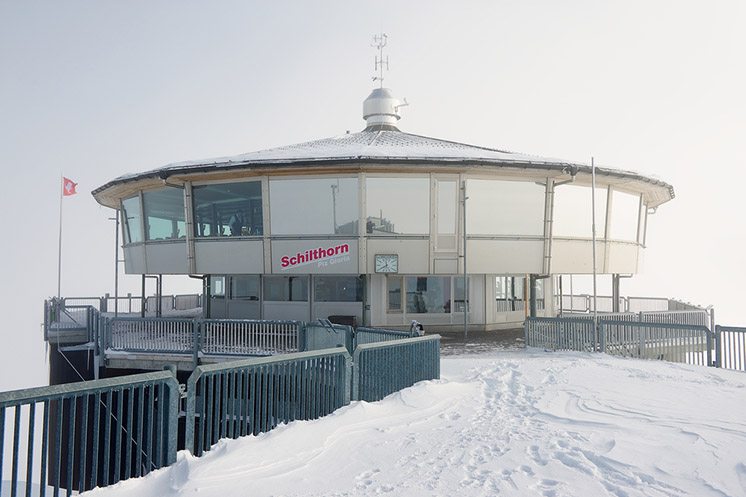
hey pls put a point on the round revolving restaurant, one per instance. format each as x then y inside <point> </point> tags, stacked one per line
<point>372,226</point>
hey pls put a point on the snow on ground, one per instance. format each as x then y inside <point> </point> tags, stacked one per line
<point>509,423</point>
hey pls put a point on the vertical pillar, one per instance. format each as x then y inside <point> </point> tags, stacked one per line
<point>532,294</point>
<point>615,292</point>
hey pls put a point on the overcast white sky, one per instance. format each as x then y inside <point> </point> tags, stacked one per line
<point>96,89</point>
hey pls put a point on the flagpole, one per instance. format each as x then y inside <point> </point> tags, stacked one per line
<point>593,227</point>
<point>59,245</point>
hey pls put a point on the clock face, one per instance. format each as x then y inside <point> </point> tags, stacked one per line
<point>387,263</point>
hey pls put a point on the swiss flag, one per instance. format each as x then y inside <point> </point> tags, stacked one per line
<point>68,187</point>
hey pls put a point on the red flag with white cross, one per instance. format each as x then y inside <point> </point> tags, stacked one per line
<point>68,187</point>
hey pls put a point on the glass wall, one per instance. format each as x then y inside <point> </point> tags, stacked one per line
<point>132,223</point>
<point>573,214</point>
<point>428,294</point>
<point>337,289</point>
<point>397,205</point>
<point>393,289</point>
<point>625,210</point>
<point>217,286</point>
<point>286,288</point>
<point>323,206</point>
<point>504,207</point>
<point>228,209</point>
<point>164,214</point>
<point>245,287</point>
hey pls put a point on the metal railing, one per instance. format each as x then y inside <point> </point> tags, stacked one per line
<point>170,336</point>
<point>92,433</point>
<point>683,343</point>
<point>730,347</point>
<point>673,342</point>
<point>252,396</point>
<point>381,369</point>
<point>584,303</point>
<point>249,337</point>
<point>365,335</point>
<point>576,334</point>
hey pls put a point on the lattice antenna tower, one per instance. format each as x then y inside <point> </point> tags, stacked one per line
<point>379,41</point>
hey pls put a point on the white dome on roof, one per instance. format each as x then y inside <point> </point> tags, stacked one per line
<point>381,108</point>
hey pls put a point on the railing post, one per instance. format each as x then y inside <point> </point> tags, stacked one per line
<point>191,405</point>
<point>197,342</point>
<point>718,347</point>
<point>710,335</point>
<point>349,379</point>
<point>172,422</point>
<point>355,375</point>
<point>602,336</point>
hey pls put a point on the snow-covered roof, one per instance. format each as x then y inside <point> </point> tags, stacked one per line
<point>382,145</point>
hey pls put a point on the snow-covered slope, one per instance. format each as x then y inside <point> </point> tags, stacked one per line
<point>515,423</point>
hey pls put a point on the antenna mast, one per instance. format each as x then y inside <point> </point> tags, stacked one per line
<point>379,41</point>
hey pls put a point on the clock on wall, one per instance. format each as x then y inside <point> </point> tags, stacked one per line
<point>387,263</point>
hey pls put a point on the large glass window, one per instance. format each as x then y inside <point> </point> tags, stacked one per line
<point>459,301</point>
<point>164,214</point>
<point>337,289</point>
<point>132,220</point>
<point>447,207</point>
<point>217,286</point>
<point>504,208</point>
<point>428,294</point>
<point>397,206</point>
<point>573,214</point>
<point>625,210</point>
<point>324,206</point>
<point>393,288</point>
<point>228,209</point>
<point>286,288</point>
<point>245,287</point>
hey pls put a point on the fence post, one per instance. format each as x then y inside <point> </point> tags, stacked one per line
<point>718,348</point>
<point>196,341</point>
<point>525,331</point>
<point>349,375</point>
<point>172,428</point>
<point>355,375</point>
<point>602,336</point>
<point>710,335</point>
<point>191,407</point>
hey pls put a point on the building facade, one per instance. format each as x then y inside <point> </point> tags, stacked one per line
<point>378,225</point>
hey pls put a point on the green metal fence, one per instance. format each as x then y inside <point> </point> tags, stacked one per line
<point>252,396</point>
<point>386,367</point>
<point>87,434</point>
<point>673,342</point>
<point>730,348</point>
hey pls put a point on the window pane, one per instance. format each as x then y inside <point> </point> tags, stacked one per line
<point>314,206</point>
<point>572,211</point>
<point>245,287</point>
<point>228,209</point>
<point>286,288</point>
<point>132,220</point>
<point>397,206</point>
<point>447,202</point>
<point>217,286</point>
<point>458,294</point>
<point>428,294</point>
<point>337,289</point>
<point>504,208</point>
<point>394,293</point>
<point>625,209</point>
<point>164,212</point>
